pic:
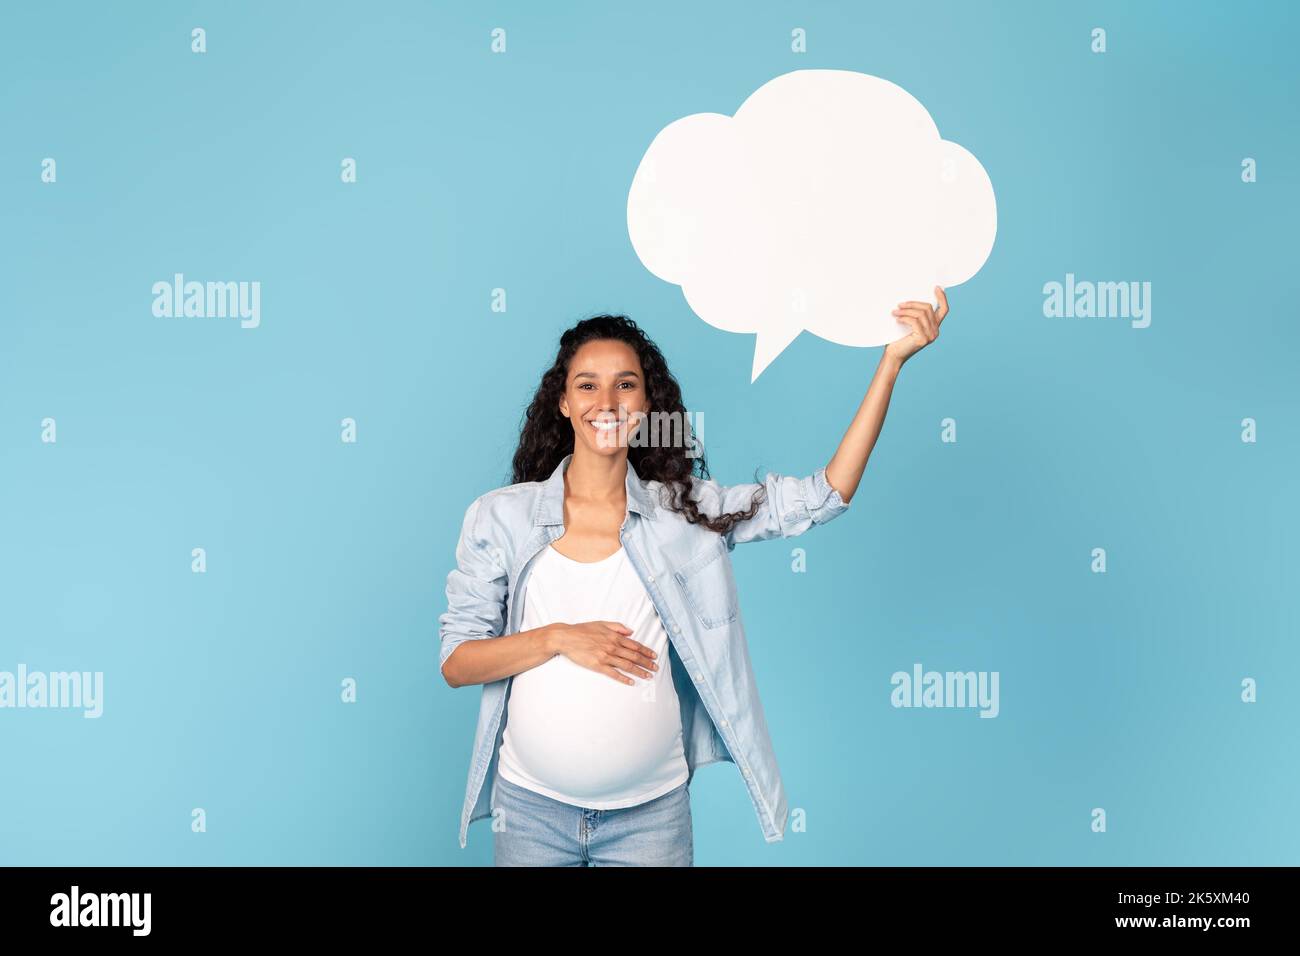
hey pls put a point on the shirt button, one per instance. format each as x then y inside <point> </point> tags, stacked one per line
<point>651,578</point>
<point>699,677</point>
<point>745,772</point>
<point>725,724</point>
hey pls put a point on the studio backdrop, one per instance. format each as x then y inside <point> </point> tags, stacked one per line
<point>279,280</point>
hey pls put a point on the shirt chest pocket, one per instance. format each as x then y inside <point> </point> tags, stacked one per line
<point>707,582</point>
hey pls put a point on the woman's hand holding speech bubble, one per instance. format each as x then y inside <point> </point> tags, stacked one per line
<point>924,320</point>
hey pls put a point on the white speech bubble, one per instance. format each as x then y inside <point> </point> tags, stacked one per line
<point>824,202</point>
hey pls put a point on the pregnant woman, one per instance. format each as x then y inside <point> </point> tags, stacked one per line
<point>594,600</point>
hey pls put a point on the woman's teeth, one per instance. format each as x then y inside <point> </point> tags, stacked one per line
<point>605,426</point>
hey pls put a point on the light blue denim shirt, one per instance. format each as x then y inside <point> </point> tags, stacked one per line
<point>686,570</point>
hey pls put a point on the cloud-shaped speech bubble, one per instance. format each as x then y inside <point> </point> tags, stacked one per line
<point>824,202</point>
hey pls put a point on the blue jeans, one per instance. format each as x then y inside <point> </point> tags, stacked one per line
<point>532,829</point>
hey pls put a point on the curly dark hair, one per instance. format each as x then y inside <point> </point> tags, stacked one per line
<point>546,436</point>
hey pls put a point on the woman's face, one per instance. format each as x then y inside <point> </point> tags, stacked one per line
<point>604,396</point>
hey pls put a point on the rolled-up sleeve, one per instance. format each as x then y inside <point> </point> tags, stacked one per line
<point>790,506</point>
<point>476,589</point>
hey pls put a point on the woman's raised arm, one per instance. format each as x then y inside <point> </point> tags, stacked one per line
<point>844,471</point>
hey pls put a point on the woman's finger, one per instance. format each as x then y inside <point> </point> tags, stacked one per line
<point>912,317</point>
<point>637,646</point>
<point>634,667</point>
<point>943,303</point>
<point>912,322</point>
<point>621,678</point>
<point>926,325</point>
<point>926,311</point>
<point>633,658</point>
<point>913,304</point>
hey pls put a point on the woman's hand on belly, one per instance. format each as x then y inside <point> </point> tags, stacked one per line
<point>605,647</point>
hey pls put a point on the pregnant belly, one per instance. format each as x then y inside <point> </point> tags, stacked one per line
<point>585,735</point>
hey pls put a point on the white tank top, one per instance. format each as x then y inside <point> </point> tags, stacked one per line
<point>580,736</point>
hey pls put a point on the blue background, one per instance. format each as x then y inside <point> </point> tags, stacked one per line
<point>476,171</point>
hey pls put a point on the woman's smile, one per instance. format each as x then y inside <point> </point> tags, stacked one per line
<point>610,429</point>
